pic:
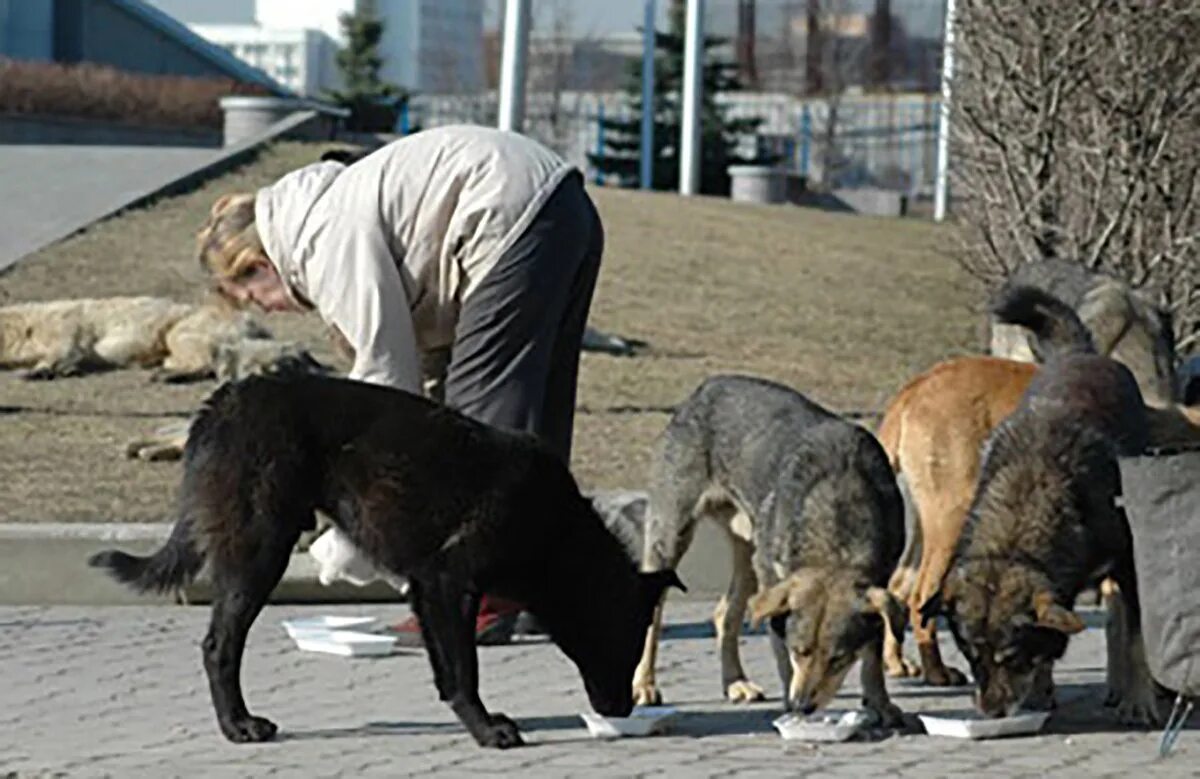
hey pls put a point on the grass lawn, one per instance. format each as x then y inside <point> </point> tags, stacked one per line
<point>843,308</point>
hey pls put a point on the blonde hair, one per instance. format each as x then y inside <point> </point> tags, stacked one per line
<point>228,242</point>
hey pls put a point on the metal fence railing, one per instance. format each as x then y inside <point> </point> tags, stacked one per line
<point>886,141</point>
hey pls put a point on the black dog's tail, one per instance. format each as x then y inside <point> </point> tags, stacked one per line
<point>175,564</point>
<point>1057,329</point>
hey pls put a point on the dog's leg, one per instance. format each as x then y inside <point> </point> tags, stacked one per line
<point>1116,643</point>
<point>670,523</point>
<point>71,361</point>
<point>730,612</point>
<point>123,347</point>
<point>448,625</point>
<point>241,587</point>
<point>645,688</point>
<point>941,517</point>
<point>902,584</point>
<point>189,358</point>
<point>443,670</point>
<point>1139,703</point>
<point>875,697</point>
<point>1042,696</point>
<point>783,659</point>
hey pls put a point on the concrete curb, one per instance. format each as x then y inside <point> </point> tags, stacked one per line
<point>46,563</point>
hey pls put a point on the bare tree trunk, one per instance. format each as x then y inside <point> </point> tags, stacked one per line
<point>1075,136</point>
<point>814,84</point>
<point>879,70</point>
<point>746,33</point>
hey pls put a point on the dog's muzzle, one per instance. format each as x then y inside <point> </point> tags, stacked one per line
<point>804,705</point>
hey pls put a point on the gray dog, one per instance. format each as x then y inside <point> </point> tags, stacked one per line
<point>815,523</point>
<point>1125,323</point>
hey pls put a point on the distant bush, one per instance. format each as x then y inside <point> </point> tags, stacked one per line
<point>88,91</point>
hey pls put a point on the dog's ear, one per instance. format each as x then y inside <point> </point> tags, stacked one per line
<point>933,607</point>
<point>942,599</point>
<point>780,599</point>
<point>895,617</point>
<point>221,203</point>
<point>1051,615</point>
<point>769,602</point>
<point>653,585</point>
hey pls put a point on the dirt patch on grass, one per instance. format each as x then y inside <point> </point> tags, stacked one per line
<point>843,308</point>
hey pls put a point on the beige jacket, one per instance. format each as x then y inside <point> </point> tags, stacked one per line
<point>388,248</point>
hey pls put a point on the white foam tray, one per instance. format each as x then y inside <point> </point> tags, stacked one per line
<point>972,725</point>
<point>824,726</point>
<point>346,643</point>
<point>324,624</point>
<point>642,721</point>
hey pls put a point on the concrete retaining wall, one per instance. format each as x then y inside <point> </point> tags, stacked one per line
<point>62,130</point>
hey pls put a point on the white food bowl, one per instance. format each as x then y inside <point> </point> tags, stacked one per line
<point>823,726</point>
<point>642,721</point>
<point>969,724</point>
<point>347,643</point>
<point>324,624</point>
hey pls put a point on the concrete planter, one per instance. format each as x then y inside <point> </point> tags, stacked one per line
<point>247,117</point>
<point>758,184</point>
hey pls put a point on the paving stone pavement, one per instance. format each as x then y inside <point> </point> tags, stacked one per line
<point>119,691</point>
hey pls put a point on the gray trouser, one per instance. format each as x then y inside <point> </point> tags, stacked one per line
<point>515,359</point>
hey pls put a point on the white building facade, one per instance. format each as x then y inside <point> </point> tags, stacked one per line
<point>300,59</point>
<point>427,45</point>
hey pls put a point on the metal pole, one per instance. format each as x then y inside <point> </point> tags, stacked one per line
<point>647,140</point>
<point>512,65</point>
<point>943,140</point>
<point>693,92</point>
<point>599,140</point>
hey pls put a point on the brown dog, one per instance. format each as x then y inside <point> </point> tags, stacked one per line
<point>932,432</point>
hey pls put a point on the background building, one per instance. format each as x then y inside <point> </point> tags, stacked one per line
<point>427,46</point>
<point>130,35</point>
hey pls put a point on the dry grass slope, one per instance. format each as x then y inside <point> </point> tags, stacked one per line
<point>843,308</point>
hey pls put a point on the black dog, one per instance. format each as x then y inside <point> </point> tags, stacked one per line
<point>457,507</point>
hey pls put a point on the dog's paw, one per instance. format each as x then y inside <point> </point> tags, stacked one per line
<point>647,694</point>
<point>945,677</point>
<point>40,374</point>
<point>1140,710</point>
<point>744,691</point>
<point>1041,701</point>
<point>153,451</point>
<point>901,668</point>
<point>249,730</point>
<point>500,733</point>
<point>885,715</point>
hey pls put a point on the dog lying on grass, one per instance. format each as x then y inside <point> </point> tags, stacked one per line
<point>59,338</point>
<point>815,523</point>
<point>1043,523</point>
<point>456,507</point>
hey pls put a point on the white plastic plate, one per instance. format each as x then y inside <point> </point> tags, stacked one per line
<point>347,643</point>
<point>642,721</point>
<point>968,724</point>
<point>324,624</point>
<point>823,726</point>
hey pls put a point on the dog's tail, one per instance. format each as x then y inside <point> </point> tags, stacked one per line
<point>175,564</point>
<point>1056,328</point>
